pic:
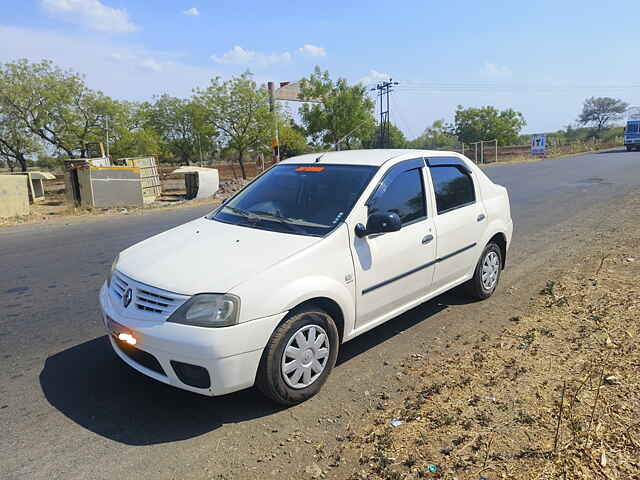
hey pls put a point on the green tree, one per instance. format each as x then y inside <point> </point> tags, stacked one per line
<point>55,105</point>
<point>439,135</point>
<point>396,138</point>
<point>239,111</point>
<point>16,142</point>
<point>180,125</point>
<point>344,113</point>
<point>292,140</point>
<point>601,111</point>
<point>49,163</point>
<point>136,143</point>
<point>488,123</point>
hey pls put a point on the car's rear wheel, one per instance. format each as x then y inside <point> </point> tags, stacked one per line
<point>299,356</point>
<point>487,273</point>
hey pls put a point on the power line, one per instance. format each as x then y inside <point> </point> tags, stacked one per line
<point>429,87</point>
<point>401,116</point>
<point>492,83</point>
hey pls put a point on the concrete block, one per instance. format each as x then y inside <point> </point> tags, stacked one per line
<point>200,182</point>
<point>116,187</point>
<point>14,195</point>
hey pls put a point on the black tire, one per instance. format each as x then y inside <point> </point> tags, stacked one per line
<point>475,287</point>
<point>628,148</point>
<point>270,378</point>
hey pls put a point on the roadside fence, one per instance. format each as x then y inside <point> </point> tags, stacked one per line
<point>488,151</point>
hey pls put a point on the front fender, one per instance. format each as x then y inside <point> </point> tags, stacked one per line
<point>323,270</point>
<point>308,288</point>
<point>286,297</point>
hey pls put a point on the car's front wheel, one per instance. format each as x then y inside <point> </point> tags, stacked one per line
<point>487,273</point>
<point>299,356</point>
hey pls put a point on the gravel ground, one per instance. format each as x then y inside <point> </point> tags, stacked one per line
<point>69,409</point>
<point>553,394</point>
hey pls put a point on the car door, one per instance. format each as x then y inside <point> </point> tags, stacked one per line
<point>396,268</point>
<point>460,219</point>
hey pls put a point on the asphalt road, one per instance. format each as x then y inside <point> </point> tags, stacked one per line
<point>70,409</point>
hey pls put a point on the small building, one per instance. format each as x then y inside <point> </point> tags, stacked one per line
<point>14,196</point>
<point>35,183</point>
<point>200,182</point>
<point>149,176</point>
<point>90,185</point>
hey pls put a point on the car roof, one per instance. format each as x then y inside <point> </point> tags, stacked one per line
<point>375,157</point>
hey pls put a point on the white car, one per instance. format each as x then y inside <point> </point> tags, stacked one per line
<point>314,252</point>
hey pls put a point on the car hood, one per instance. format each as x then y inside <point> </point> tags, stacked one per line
<point>207,256</point>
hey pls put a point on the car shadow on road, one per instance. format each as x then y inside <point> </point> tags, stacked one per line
<point>90,385</point>
<point>400,324</point>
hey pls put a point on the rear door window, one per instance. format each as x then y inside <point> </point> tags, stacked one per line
<point>453,188</point>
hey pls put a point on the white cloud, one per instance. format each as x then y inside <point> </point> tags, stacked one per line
<point>92,14</point>
<point>194,12</point>
<point>495,72</point>
<point>121,71</point>
<point>152,64</point>
<point>239,56</point>
<point>312,51</point>
<point>127,58</point>
<point>374,76</point>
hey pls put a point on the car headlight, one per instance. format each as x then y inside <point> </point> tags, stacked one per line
<point>208,310</point>
<point>113,268</point>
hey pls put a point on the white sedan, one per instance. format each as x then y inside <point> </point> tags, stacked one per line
<point>314,252</point>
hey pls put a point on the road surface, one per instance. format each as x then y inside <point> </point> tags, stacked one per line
<point>70,409</point>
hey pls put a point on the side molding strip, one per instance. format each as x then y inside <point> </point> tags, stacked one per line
<point>417,269</point>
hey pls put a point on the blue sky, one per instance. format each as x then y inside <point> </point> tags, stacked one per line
<point>541,58</point>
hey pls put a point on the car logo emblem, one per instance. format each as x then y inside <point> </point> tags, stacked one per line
<point>126,298</point>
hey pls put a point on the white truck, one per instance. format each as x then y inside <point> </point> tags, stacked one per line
<point>314,252</point>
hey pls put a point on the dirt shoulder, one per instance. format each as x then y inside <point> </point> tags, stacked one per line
<point>531,159</point>
<point>553,394</point>
<point>55,208</point>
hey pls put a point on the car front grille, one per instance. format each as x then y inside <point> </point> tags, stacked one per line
<point>145,299</point>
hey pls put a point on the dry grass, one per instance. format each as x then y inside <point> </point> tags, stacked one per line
<point>554,395</point>
<point>522,154</point>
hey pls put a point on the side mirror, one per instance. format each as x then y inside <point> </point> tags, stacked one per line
<point>379,223</point>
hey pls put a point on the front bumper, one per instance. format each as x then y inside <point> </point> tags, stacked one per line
<point>230,355</point>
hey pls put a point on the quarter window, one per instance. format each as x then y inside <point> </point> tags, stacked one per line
<point>404,195</point>
<point>453,188</point>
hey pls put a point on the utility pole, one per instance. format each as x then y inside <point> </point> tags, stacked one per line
<point>275,142</point>
<point>199,148</point>
<point>107,125</point>
<point>384,89</point>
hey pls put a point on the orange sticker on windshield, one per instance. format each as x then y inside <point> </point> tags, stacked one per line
<point>309,169</point>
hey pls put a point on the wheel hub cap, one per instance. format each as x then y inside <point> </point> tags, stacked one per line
<point>305,356</point>
<point>490,270</point>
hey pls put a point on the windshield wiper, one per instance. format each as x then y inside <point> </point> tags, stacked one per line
<point>284,221</point>
<point>243,213</point>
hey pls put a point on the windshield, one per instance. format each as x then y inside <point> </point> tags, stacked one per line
<point>300,199</point>
<point>632,128</point>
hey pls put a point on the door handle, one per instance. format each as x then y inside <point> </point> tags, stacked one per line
<point>427,239</point>
<point>481,217</point>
